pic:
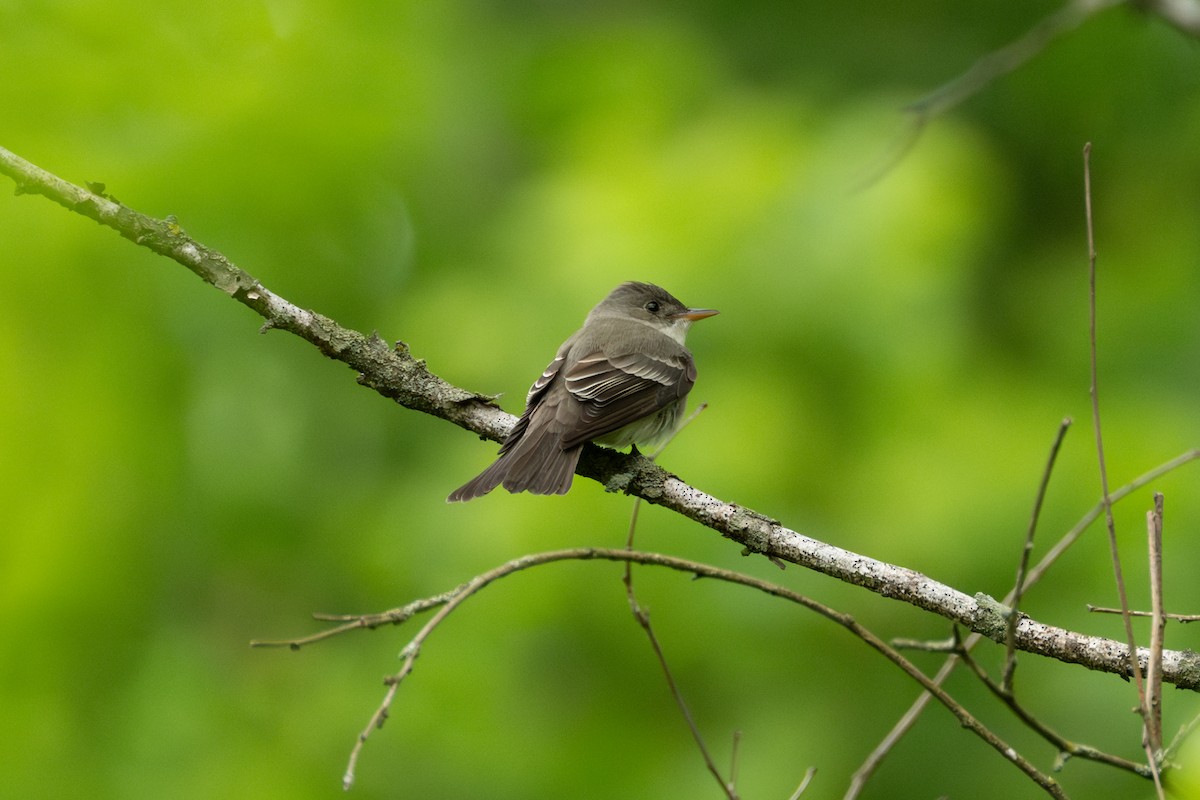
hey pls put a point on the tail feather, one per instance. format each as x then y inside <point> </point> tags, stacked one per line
<point>482,483</point>
<point>537,466</point>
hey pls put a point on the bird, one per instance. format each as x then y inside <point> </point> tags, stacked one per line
<point>620,380</point>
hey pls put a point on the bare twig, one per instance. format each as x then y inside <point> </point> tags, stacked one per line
<point>642,617</point>
<point>1010,652</point>
<point>1184,732</point>
<point>949,645</point>
<point>858,782</point>
<point>1065,746</point>
<point>808,776</point>
<point>1181,618</point>
<point>1114,551</point>
<point>735,753</point>
<point>1183,15</point>
<point>982,73</point>
<point>1154,529</point>
<point>351,621</point>
<point>1008,58</point>
<point>1106,498</point>
<point>1070,537</point>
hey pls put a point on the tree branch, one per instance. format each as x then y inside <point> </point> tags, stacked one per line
<point>396,374</point>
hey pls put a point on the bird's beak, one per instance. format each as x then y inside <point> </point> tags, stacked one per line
<point>694,314</point>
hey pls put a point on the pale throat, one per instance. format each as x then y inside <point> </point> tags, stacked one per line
<point>677,329</point>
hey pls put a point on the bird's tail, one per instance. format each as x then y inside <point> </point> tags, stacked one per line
<point>538,465</point>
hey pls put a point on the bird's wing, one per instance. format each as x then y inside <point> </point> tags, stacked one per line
<point>615,390</point>
<point>536,392</point>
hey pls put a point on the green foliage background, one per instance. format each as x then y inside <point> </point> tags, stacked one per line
<point>887,374</point>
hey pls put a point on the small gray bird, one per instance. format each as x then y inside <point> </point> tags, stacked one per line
<point>621,379</point>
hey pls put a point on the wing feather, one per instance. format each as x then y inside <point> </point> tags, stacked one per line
<point>616,390</point>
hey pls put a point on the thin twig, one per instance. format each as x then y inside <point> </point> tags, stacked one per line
<point>1008,58</point>
<point>1010,639</point>
<point>1181,618</point>
<point>735,754</point>
<point>1065,746</point>
<point>642,617</point>
<point>688,420</point>
<point>808,776</point>
<point>1154,529</point>
<point>979,75</point>
<point>1184,732</point>
<point>876,757</point>
<point>1135,668</point>
<point>1070,537</point>
<point>377,719</point>
<point>396,616</point>
<point>949,645</point>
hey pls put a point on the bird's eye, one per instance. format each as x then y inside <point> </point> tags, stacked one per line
<point>652,306</point>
